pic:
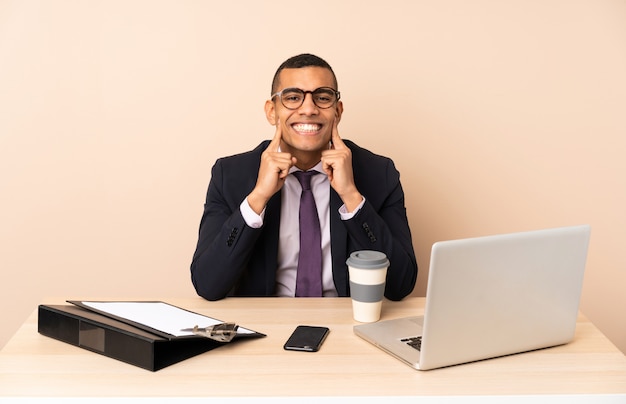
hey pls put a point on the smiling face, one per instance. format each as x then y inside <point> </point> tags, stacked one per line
<point>307,130</point>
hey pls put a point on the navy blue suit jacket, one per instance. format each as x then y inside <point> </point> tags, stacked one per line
<point>233,259</point>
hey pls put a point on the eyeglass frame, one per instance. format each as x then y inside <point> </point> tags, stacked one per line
<point>280,94</point>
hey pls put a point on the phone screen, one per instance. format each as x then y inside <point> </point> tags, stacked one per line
<point>306,338</point>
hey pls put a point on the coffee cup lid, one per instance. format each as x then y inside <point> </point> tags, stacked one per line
<point>367,259</point>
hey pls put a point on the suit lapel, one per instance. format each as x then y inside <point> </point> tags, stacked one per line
<point>338,245</point>
<point>272,227</point>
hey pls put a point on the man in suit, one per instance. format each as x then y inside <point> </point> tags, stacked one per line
<point>249,237</point>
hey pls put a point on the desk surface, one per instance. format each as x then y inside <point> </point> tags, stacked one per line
<point>35,365</point>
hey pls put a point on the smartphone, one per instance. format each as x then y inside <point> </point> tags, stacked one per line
<point>306,338</point>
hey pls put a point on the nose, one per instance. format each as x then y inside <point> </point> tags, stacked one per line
<point>308,107</point>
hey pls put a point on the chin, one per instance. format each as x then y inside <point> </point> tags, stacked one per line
<point>316,145</point>
<point>306,142</point>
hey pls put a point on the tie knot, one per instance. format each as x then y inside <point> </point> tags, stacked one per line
<point>305,178</point>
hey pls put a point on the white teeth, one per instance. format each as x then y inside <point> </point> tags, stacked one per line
<point>307,127</point>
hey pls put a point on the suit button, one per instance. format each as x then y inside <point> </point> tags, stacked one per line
<point>367,229</point>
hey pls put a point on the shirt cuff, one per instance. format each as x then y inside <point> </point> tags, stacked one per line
<point>249,216</point>
<point>345,215</point>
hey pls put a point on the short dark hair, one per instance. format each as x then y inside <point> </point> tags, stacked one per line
<point>299,61</point>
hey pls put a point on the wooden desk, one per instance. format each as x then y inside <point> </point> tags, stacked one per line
<point>35,365</point>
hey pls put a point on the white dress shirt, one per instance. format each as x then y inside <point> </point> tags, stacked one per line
<point>289,237</point>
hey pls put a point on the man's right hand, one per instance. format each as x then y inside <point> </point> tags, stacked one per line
<point>273,171</point>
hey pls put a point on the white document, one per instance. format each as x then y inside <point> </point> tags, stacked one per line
<point>160,316</point>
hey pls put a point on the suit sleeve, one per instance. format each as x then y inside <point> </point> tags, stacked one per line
<point>382,225</point>
<point>225,242</point>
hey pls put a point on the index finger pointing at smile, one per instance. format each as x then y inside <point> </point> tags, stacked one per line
<point>278,136</point>
<point>337,142</point>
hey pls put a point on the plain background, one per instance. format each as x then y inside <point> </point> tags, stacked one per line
<point>502,116</point>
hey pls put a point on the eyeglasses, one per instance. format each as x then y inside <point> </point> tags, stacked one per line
<point>293,98</point>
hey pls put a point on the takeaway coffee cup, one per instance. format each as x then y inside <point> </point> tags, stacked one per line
<point>368,271</point>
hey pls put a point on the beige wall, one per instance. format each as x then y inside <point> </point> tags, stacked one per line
<point>501,115</point>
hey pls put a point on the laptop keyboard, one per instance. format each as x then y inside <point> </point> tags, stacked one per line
<point>415,342</point>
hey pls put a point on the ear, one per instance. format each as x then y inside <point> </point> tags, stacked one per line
<point>339,111</point>
<point>270,112</point>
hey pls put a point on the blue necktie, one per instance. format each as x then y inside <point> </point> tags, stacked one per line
<point>309,276</point>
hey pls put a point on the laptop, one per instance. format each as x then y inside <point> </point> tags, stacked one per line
<point>491,296</point>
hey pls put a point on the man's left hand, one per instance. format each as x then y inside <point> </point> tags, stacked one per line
<point>337,163</point>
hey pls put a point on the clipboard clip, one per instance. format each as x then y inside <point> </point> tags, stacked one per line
<point>223,332</point>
